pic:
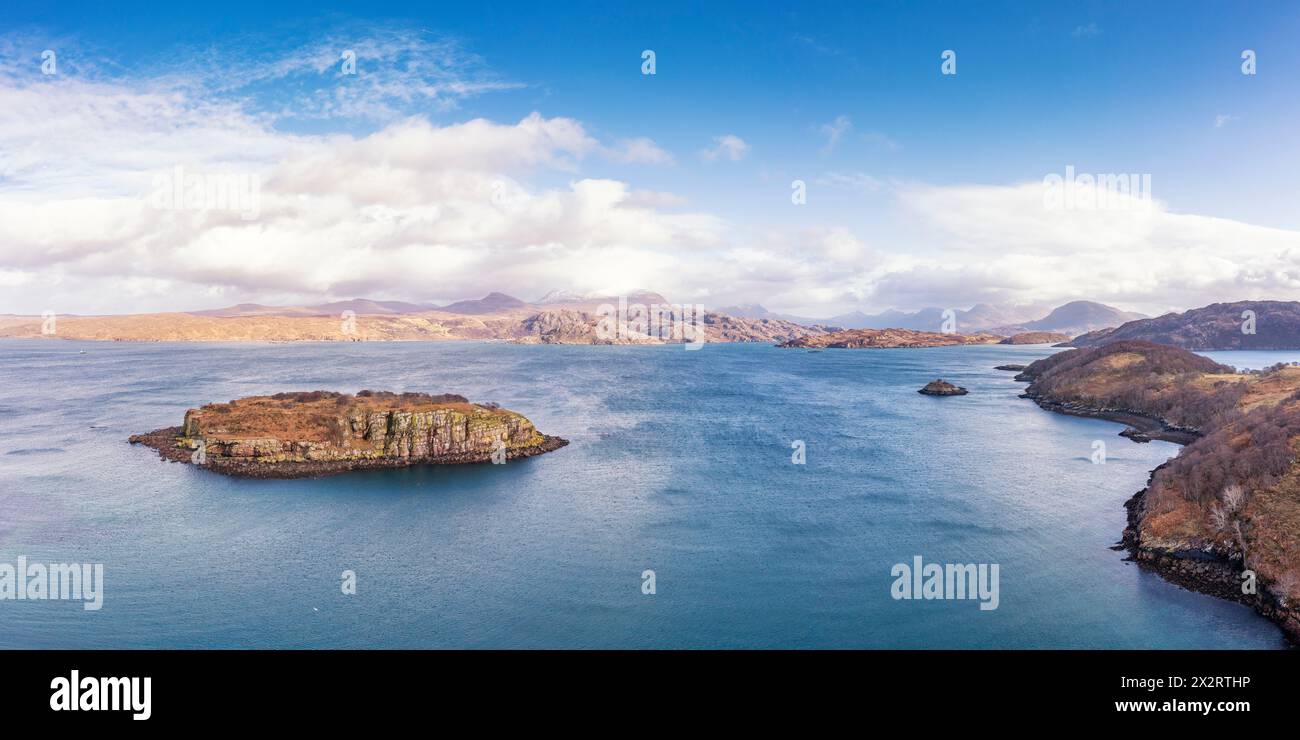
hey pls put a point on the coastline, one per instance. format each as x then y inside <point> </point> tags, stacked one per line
<point>1203,572</point>
<point>1142,427</point>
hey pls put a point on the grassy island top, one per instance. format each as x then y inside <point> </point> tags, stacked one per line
<point>314,415</point>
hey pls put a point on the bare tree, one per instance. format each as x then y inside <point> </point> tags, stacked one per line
<point>1233,497</point>
<point>1287,583</point>
<point>1219,517</point>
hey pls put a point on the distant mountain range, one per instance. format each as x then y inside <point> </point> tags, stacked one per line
<point>490,304</point>
<point>1073,318</point>
<point>1262,325</point>
<point>563,317</point>
<point>359,306</point>
<point>558,318</point>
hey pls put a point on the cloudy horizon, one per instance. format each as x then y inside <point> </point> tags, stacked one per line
<point>463,160</point>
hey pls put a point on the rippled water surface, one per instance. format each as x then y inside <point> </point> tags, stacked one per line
<point>680,463</point>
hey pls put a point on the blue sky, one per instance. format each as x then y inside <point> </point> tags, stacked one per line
<point>1152,88</point>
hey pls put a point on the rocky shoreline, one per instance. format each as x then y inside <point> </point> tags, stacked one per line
<point>1141,427</point>
<point>1204,571</point>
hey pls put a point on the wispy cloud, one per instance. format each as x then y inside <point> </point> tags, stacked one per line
<point>639,150</point>
<point>727,146</point>
<point>834,131</point>
<point>372,72</point>
<point>880,140</point>
<point>859,181</point>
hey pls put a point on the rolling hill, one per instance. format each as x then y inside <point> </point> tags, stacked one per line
<point>1259,325</point>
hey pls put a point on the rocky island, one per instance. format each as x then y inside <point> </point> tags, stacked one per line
<point>296,435</point>
<point>942,388</point>
<point>888,338</point>
<point>1223,517</point>
<point>1036,337</point>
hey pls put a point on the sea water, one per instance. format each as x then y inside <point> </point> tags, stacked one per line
<point>682,472</point>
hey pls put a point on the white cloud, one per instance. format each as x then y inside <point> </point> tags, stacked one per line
<point>1002,243</point>
<point>727,146</point>
<point>420,210</point>
<point>413,209</point>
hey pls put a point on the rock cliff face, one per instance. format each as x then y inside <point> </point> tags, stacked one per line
<point>571,326</point>
<point>292,435</point>
<point>574,326</point>
<point>1223,517</point>
<point>719,327</point>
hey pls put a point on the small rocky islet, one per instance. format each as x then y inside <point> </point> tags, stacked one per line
<point>942,388</point>
<point>318,433</point>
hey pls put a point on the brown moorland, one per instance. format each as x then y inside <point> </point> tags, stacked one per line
<point>1036,337</point>
<point>1230,501</point>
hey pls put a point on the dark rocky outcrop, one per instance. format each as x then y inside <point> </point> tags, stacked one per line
<point>942,388</point>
